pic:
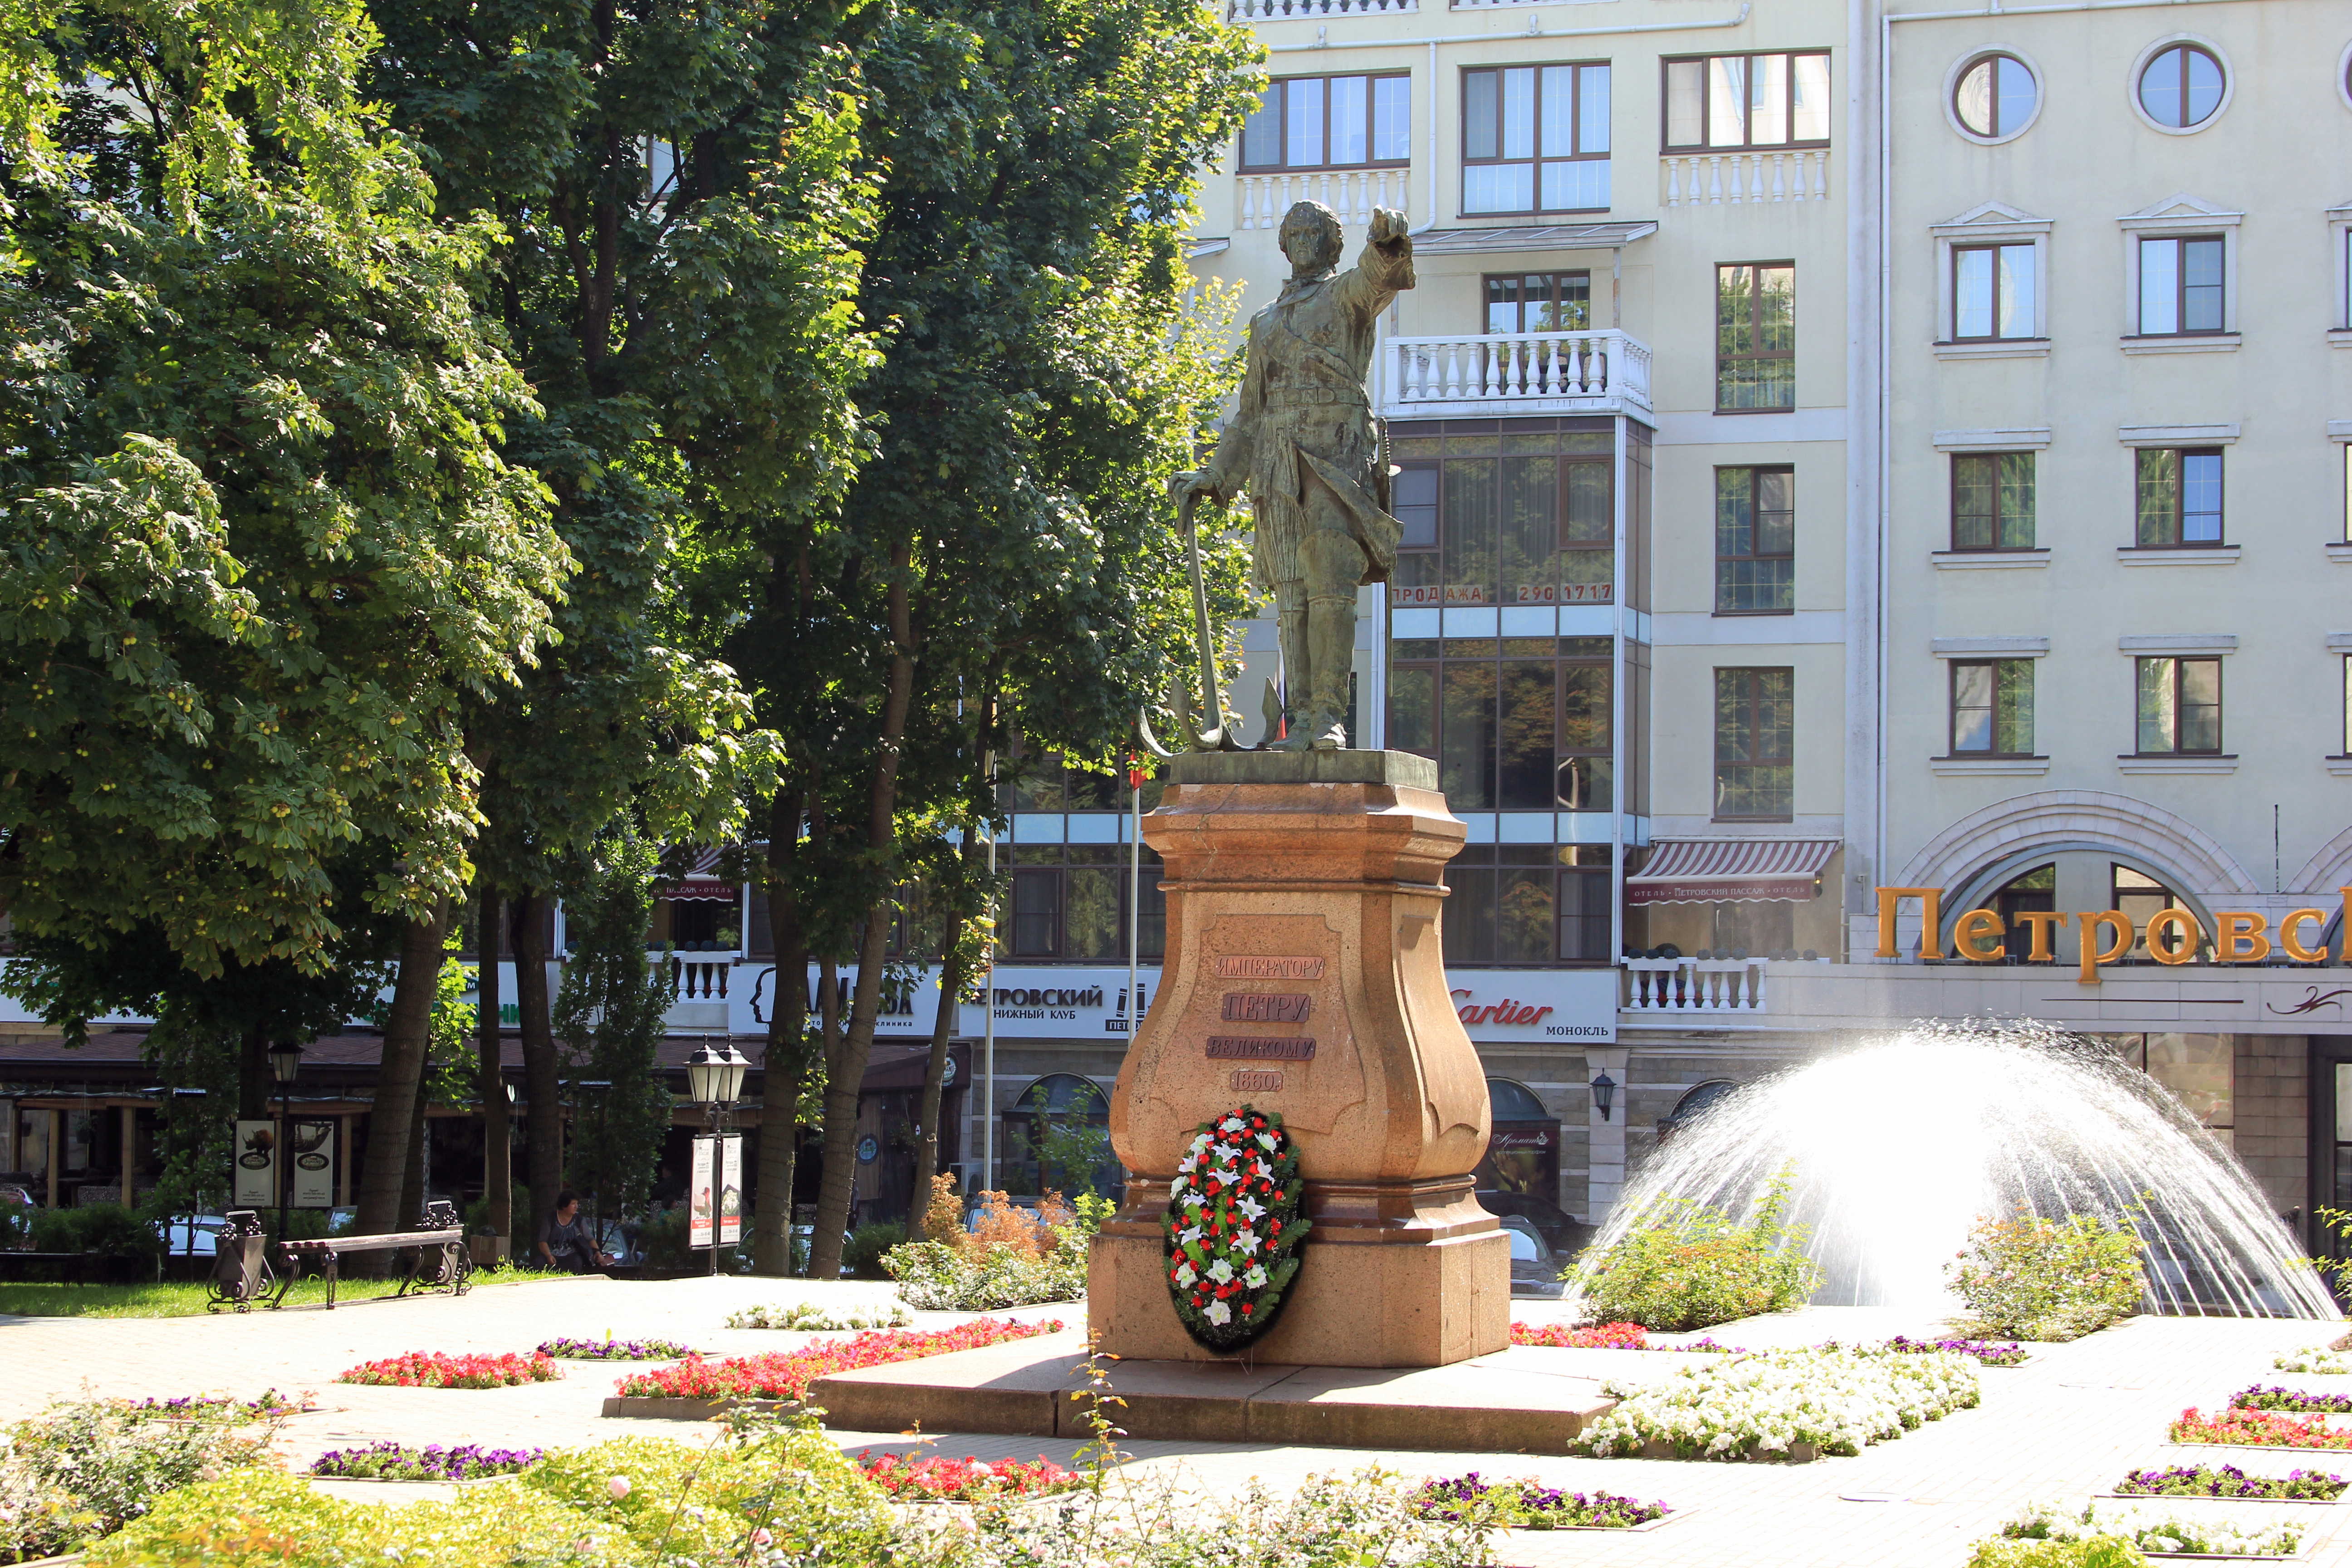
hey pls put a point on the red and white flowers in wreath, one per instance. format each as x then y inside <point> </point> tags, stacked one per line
<point>1234,1227</point>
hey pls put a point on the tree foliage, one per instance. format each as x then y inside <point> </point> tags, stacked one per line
<point>609,1016</point>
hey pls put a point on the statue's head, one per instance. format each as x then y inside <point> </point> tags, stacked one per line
<point>1311,238</point>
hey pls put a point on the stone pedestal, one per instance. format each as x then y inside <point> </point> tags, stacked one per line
<point>1305,973</point>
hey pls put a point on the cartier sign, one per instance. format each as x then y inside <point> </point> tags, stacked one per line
<point>2172,936</point>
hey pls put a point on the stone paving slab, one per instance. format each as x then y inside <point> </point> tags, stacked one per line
<point>2064,1425</point>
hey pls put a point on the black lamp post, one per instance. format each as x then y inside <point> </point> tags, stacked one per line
<point>1604,1093</point>
<point>285,1066</point>
<point>714,1077</point>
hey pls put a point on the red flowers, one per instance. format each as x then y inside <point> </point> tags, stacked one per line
<point>430,1369</point>
<point>2263,1428</point>
<point>1607,1336</point>
<point>786,1375</point>
<point>932,1479</point>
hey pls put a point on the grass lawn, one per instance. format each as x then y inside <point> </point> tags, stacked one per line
<point>186,1299</point>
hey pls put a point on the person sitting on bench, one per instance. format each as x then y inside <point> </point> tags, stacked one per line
<point>564,1239</point>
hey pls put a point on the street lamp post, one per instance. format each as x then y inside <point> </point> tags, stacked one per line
<point>285,1066</point>
<point>714,1077</point>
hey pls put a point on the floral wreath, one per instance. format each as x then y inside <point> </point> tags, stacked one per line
<point>1234,1227</point>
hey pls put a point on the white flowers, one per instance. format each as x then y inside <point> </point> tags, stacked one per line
<point>1256,1276</point>
<point>2318,1359</point>
<point>1839,1401</point>
<point>1230,1124</point>
<point>1190,1235</point>
<point>1218,1314</point>
<point>1265,1141</point>
<point>1251,1207</point>
<point>1246,1241</point>
<point>1185,1274</point>
<point>1222,1272</point>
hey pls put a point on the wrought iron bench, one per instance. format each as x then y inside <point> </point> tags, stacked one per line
<point>442,1260</point>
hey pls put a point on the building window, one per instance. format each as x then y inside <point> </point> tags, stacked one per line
<point>2180,707</point>
<point>2181,87</point>
<point>1992,291</point>
<point>1068,904</point>
<point>1535,139</point>
<point>2139,895</point>
<point>1540,302</point>
<point>1515,723</point>
<point>1755,542</point>
<point>2180,286</point>
<point>1525,517</point>
<point>1995,98</point>
<point>1992,708</point>
<point>1992,500</point>
<point>1330,122</point>
<point>1755,730</point>
<point>1528,904</point>
<point>2179,498</point>
<point>1719,102</point>
<point>1756,335</point>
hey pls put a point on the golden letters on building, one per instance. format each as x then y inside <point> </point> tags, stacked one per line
<point>2173,936</point>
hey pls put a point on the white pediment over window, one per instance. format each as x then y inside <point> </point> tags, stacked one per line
<point>2178,210</point>
<point>1990,220</point>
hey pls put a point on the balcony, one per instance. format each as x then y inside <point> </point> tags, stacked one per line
<point>1733,179</point>
<point>1260,200</point>
<point>697,984</point>
<point>1693,988</point>
<point>1286,10</point>
<point>1515,372</point>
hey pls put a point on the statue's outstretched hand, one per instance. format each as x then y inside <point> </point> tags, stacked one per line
<point>1388,225</point>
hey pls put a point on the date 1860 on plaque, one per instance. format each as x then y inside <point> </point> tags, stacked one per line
<point>1263,1007</point>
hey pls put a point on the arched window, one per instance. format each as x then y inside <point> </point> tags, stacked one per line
<point>1520,1174</point>
<point>1695,1102</point>
<point>1995,96</point>
<point>1057,1139</point>
<point>2181,87</point>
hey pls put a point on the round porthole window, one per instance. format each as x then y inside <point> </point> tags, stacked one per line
<point>1996,97</point>
<point>2181,87</point>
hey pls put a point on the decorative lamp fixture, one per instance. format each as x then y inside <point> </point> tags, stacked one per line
<point>714,1074</point>
<point>1604,1093</point>
<point>285,1061</point>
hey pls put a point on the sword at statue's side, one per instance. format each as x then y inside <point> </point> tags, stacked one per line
<point>1213,738</point>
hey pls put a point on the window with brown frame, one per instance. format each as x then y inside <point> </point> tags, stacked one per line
<point>1992,708</point>
<point>1755,542</point>
<point>1992,500</point>
<point>1330,122</point>
<point>1515,723</point>
<point>1755,737</point>
<point>1755,336</point>
<point>1992,292</point>
<point>2179,706</point>
<point>1535,139</point>
<point>2178,499</point>
<point>1719,103</point>
<point>1538,301</point>
<point>2183,291</point>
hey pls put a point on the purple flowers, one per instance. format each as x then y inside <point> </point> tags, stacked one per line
<point>609,1348</point>
<point>432,1462</point>
<point>1530,1505</point>
<point>270,1404</point>
<point>1987,1352</point>
<point>2260,1398</point>
<point>2228,1481</point>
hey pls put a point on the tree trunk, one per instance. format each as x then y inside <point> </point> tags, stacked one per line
<point>845,1070</point>
<point>927,1147</point>
<point>784,1062</point>
<point>490,1082</point>
<point>253,1075</point>
<point>544,1158</point>
<point>398,1080</point>
<point>412,1181</point>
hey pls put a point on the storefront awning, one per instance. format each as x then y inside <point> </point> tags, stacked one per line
<point>1548,236</point>
<point>1730,871</point>
<point>698,885</point>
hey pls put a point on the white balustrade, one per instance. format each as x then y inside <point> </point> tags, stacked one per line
<point>1516,373</point>
<point>1260,200</point>
<point>1716,985</point>
<point>1721,179</point>
<point>693,976</point>
<point>1281,10</point>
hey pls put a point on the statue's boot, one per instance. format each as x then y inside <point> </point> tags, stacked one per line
<point>1331,646</point>
<point>1291,624</point>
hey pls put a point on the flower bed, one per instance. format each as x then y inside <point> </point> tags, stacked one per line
<point>2260,1398</point>
<point>2314,1358</point>
<point>2034,1278</point>
<point>809,1316</point>
<point>1528,1504</point>
<point>786,1375</point>
<point>84,1469</point>
<point>432,1462</point>
<point>430,1369</point>
<point>268,1405</point>
<point>2260,1430</point>
<point>1602,1336</point>
<point>2228,1481</point>
<point>1984,1352</point>
<point>2158,1532</point>
<point>1831,1401</point>
<point>609,1348</point>
<point>931,1478</point>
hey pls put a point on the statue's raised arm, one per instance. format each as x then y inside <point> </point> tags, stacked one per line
<point>1302,443</point>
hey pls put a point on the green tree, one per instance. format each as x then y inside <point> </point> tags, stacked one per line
<point>678,190</point>
<point>608,1013</point>
<point>1006,557</point>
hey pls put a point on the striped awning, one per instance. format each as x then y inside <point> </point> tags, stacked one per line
<point>1730,871</point>
<point>699,884</point>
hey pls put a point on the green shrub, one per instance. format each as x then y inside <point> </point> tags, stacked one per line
<point>84,1468</point>
<point>862,1253</point>
<point>2033,1279</point>
<point>104,1230</point>
<point>974,1274</point>
<point>2098,1551</point>
<point>1686,1265</point>
<point>478,1214</point>
<point>664,1243</point>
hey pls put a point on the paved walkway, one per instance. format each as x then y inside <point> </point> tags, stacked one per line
<point>2067,1424</point>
